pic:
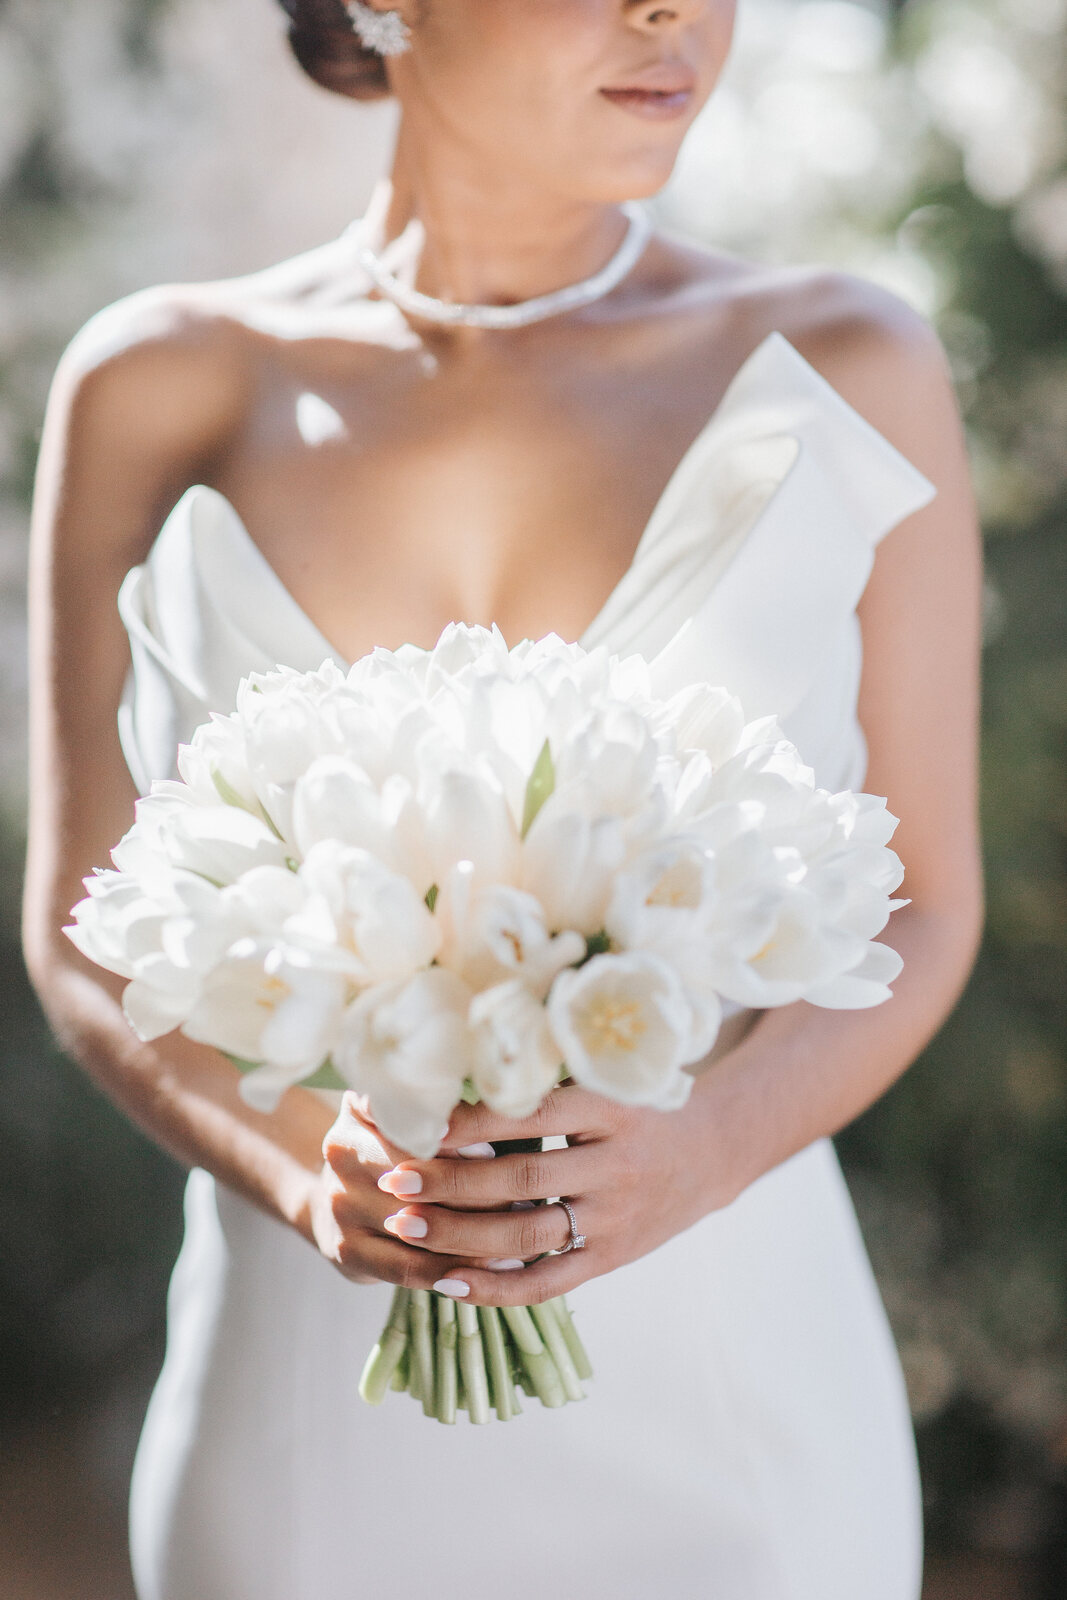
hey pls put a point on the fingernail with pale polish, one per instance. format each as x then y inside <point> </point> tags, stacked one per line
<point>476,1152</point>
<point>407,1227</point>
<point>400,1183</point>
<point>454,1287</point>
<point>506,1264</point>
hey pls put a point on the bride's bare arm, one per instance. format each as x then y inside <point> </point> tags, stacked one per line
<point>141,403</point>
<point>638,1177</point>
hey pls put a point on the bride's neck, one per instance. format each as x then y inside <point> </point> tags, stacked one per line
<point>492,240</point>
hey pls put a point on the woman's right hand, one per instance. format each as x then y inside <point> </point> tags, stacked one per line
<point>349,1210</point>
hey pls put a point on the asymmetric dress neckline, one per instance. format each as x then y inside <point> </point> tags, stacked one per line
<point>783,473</point>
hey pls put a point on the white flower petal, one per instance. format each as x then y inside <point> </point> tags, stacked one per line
<point>407,1047</point>
<point>152,1012</point>
<point>516,1061</point>
<point>864,985</point>
<point>624,1027</point>
<point>569,864</point>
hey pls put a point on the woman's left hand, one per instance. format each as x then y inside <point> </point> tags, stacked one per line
<point>634,1178</point>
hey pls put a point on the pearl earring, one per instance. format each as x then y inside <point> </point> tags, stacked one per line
<point>384,31</point>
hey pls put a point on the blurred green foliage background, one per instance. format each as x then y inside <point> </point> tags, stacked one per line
<point>924,145</point>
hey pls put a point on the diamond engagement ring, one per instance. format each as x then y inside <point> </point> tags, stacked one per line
<point>576,1240</point>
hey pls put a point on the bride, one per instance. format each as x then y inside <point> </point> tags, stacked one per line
<point>499,397</point>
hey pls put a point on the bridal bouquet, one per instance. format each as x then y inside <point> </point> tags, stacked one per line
<point>470,872</point>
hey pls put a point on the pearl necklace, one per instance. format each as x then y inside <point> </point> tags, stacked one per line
<point>406,248</point>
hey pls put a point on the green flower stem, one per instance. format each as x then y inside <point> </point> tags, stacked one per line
<point>472,1363</point>
<point>385,1357</point>
<point>447,1375</point>
<point>519,1376</point>
<point>422,1347</point>
<point>500,1380</point>
<point>583,1365</point>
<point>548,1327</point>
<point>450,1356</point>
<point>539,1365</point>
<point>402,1375</point>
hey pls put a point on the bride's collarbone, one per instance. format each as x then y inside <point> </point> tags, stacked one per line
<point>381,485</point>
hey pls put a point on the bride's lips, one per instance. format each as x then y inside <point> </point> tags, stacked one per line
<point>662,93</point>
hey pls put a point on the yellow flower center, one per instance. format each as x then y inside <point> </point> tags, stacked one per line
<point>272,992</point>
<point>610,1024</point>
<point>677,887</point>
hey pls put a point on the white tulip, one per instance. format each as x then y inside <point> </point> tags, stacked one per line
<point>663,895</point>
<point>407,1047</point>
<point>608,766</point>
<point>462,817</point>
<point>569,863</point>
<point>214,764</point>
<point>135,935</point>
<point>289,720</point>
<point>117,924</point>
<point>492,934</point>
<point>335,799</point>
<point>801,952</point>
<point>706,719</point>
<point>516,1061</point>
<point>463,646</point>
<point>196,927</point>
<point>626,1030</point>
<point>666,902</point>
<point>375,914</point>
<point>218,842</point>
<point>269,1003</point>
<point>865,984</point>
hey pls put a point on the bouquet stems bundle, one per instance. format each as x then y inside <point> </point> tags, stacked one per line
<point>454,1357</point>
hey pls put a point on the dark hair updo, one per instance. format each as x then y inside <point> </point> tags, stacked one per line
<point>327,47</point>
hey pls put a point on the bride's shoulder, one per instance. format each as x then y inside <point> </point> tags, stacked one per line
<point>878,350</point>
<point>150,352</point>
<point>183,356</point>
<point>170,362</point>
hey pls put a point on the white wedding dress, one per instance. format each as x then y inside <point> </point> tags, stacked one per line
<point>746,1436</point>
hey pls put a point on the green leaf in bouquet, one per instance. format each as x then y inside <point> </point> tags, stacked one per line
<point>242,1065</point>
<point>431,896</point>
<point>541,783</point>
<point>324,1077</point>
<point>226,791</point>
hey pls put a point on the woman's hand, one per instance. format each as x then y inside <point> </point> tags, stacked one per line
<point>634,1178</point>
<point>350,1209</point>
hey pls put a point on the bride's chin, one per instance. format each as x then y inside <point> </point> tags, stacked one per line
<point>637,180</point>
<point>624,174</point>
<point>638,174</point>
